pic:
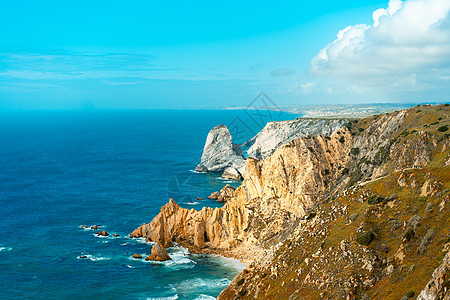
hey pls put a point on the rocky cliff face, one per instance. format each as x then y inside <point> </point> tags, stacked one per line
<point>382,229</point>
<point>439,285</point>
<point>275,134</point>
<point>273,195</point>
<point>221,153</point>
<point>307,210</point>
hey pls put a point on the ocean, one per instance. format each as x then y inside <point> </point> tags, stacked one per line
<point>63,169</point>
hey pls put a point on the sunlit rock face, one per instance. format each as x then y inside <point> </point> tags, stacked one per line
<point>220,152</point>
<point>275,134</point>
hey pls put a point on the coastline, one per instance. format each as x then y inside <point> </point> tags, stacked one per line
<point>266,212</point>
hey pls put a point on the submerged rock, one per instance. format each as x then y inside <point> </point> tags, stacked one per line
<point>220,152</point>
<point>137,256</point>
<point>158,253</point>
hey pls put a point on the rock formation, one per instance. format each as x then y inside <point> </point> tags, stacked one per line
<point>137,256</point>
<point>303,212</point>
<point>277,133</point>
<point>221,153</point>
<point>272,195</point>
<point>214,196</point>
<point>439,285</point>
<point>232,173</point>
<point>158,253</point>
<point>102,233</point>
<point>226,193</point>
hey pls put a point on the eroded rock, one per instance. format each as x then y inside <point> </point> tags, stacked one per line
<point>158,253</point>
<point>220,152</point>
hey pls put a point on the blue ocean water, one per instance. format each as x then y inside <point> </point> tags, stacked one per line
<point>63,169</point>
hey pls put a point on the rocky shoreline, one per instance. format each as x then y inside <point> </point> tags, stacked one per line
<point>286,190</point>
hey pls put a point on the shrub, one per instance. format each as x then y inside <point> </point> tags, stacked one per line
<point>243,293</point>
<point>342,139</point>
<point>345,171</point>
<point>360,129</point>
<point>355,121</point>
<point>434,123</point>
<point>443,128</point>
<point>327,172</point>
<point>374,199</point>
<point>365,238</point>
<point>240,281</point>
<point>409,234</point>
<point>409,294</point>
<point>446,104</point>
<point>418,111</point>
<point>355,151</point>
<point>263,275</point>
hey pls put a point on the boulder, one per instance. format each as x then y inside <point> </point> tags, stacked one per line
<point>214,196</point>
<point>158,253</point>
<point>95,227</point>
<point>116,235</point>
<point>137,256</point>
<point>226,193</point>
<point>102,233</point>
<point>220,152</point>
<point>84,226</point>
<point>232,173</point>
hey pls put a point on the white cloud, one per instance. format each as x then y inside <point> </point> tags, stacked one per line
<point>407,46</point>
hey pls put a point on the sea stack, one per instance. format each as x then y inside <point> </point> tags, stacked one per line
<point>221,153</point>
<point>158,253</point>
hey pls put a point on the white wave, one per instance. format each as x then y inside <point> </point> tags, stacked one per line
<point>191,203</point>
<point>101,236</point>
<point>195,284</point>
<point>230,262</point>
<point>92,258</point>
<point>4,249</point>
<point>226,180</point>
<point>205,297</point>
<point>174,297</point>
<point>142,241</point>
<point>129,266</point>
<point>193,171</point>
<point>124,244</point>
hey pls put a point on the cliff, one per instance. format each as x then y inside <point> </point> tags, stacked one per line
<point>275,134</point>
<point>337,214</point>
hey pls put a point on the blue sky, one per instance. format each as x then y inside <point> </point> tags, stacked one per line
<point>179,54</point>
